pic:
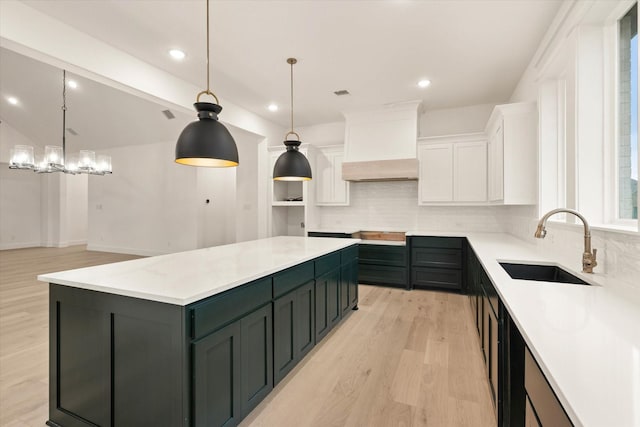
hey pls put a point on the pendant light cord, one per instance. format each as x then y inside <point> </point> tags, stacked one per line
<point>64,115</point>
<point>208,91</point>
<point>292,61</point>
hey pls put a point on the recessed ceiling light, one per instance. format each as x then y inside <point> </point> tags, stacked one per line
<point>273,107</point>
<point>72,84</point>
<point>177,54</point>
<point>12,100</point>
<point>424,83</point>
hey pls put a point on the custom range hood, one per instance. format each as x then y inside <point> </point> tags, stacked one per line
<point>380,145</point>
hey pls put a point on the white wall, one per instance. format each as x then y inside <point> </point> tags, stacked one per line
<point>148,206</point>
<point>247,184</point>
<point>77,200</point>
<point>19,208</point>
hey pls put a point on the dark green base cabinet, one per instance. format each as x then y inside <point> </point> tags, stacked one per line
<point>437,262</point>
<point>121,361</point>
<point>383,265</point>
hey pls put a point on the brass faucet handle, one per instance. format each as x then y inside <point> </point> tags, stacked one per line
<point>594,262</point>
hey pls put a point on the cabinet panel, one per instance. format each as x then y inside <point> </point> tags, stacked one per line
<point>436,173</point>
<point>331,189</point>
<point>216,374</point>
<point>542,398</point>
<point>382,274</point>
<point>327,302</point>
<point>436,277</point>
<point>284,320</point>
<point>470,172</point>
<point>256,357</point>
<point>304,319</point>
<point>383,255</point>
<point>353,284</point>
<point>436,257</point>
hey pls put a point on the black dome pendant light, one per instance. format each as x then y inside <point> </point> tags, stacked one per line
<point>207,142</point>
<point>292,165</point>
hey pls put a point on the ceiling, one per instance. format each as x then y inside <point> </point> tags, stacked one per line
<point>473,51</point>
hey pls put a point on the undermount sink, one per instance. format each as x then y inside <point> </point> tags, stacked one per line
<point>541,273</point>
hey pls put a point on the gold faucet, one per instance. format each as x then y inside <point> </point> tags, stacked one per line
<point>588,256</point>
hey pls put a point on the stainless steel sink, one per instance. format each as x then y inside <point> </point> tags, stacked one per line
<point>541,273</point>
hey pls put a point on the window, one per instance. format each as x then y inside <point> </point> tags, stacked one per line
<point>627,167</point>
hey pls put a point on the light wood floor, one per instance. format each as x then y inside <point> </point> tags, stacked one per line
<point>404,359</point>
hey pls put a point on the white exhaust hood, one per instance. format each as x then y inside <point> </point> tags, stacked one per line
<point>380,145</point>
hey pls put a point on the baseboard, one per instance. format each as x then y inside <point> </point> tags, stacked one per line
<point>19,245</point>
<point>120,250</point>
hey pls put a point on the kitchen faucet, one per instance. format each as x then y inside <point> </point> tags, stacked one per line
<point>588,256</point>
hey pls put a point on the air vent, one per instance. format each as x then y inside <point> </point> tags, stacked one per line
<point>72,131</point>
<point>168,114</point>
<point>342,92</point>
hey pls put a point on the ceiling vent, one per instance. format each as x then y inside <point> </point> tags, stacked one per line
<point>168,114</point>
<point>72,131</point>
<point>341,92</point>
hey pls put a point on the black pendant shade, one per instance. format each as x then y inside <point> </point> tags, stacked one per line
<point>206,142</point>
<point>292,165</point>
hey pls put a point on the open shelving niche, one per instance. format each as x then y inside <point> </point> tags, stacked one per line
<point>290,217</point>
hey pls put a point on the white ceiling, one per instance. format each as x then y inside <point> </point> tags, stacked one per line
<point>473,51</point>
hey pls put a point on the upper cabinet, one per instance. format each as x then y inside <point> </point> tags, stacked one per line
<point>331,189</point>
<point>512,149</point>
<point>453,170</point>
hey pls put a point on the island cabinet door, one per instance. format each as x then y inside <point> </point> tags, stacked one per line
<point>327,302</point>
<point>216,378</point>
<point>257,357</point>
<point>293,328</point>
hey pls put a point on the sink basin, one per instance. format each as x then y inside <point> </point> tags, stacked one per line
<point>541,273</point>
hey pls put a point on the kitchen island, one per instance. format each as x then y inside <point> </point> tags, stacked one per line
<point>193,338</point>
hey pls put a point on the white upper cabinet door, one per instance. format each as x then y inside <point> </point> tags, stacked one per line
<point>470,171</point>
<point>512,131</point>
<point>331,190</point>
<point>436,173</point>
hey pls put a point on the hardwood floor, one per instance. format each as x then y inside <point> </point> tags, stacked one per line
<point>404,359</point>
<point>24,327</point>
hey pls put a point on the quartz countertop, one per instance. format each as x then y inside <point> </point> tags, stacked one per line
<point>586,339</point>
<point>186,277</point>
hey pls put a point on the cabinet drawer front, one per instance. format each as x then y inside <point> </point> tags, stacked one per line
<point>349,254</point>
<point>543,399</point>
<point>382,274</point>
<point>437,258</point>
<point>436,277</point>
<point>219,310</point>
<point>326,263</point>
<point>383,255</point>
<point>437,242</point>
<point>292,278</point>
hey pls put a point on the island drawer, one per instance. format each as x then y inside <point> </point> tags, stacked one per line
<point>291,278</point>
<point>327,263</point>
<point>219,310</point>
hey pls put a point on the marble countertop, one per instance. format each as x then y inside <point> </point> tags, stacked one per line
<point>186,277</point>
<point>586,339</point>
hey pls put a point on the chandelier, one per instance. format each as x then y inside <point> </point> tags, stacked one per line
<point>55,159</point>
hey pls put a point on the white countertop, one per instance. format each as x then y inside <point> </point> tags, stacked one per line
<point>186,277</point>
<point>586,339</point>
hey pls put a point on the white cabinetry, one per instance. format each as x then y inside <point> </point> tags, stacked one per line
<point>513,158</point>
<point>331,189</point>
<point>453,169</point>
<point>291,202</point>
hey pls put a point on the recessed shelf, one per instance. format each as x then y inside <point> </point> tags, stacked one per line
<point>285,203</point>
